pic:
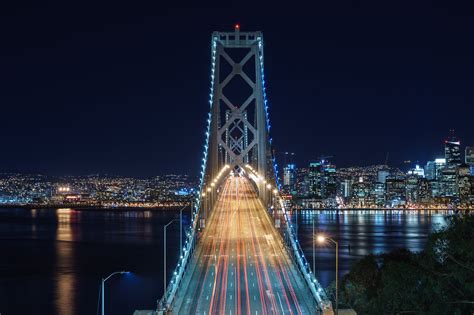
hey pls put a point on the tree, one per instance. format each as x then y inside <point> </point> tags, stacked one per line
<point>438,280</point>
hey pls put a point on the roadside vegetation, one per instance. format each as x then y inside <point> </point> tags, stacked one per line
<point>437,280</point>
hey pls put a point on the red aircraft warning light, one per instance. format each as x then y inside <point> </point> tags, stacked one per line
<point>237,27</point>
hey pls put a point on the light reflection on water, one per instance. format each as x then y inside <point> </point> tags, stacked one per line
<point>55,259</point>
<point>360,233</point>
<point>61,254</point>
<point>65,281</point>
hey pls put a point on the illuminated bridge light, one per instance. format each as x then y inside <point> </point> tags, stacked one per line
<point>214,175</point>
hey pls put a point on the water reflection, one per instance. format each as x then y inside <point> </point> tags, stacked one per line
<point>67,251</point>
<point>65,279</point>
<point>66,218</point>
<point>363,232</point>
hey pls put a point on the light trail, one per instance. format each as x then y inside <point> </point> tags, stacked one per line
<point>240,265</point>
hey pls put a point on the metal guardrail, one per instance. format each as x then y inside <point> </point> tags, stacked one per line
<point>317,291</point>
<point>186,253</point>
<point>299,258</point>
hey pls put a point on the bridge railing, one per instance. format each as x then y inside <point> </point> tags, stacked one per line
<point>317,291</point>
<point>185,257</point>
<point>189,245</point>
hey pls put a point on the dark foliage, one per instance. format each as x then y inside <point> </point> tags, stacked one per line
<point>438,280</point>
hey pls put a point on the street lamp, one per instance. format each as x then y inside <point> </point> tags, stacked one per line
<point>314,251</point>
<point>164,254</point>
<point>269,187</point>
<point>209,198</point>
<point>275,192</point>
<point>321,239</point>
<point>103,287</point>
<point>181,226</point>
<point>203,202</point>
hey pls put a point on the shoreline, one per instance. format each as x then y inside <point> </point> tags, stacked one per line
<point>174,208</point>
<point>95,207</point>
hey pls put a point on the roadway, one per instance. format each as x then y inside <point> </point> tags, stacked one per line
<point>240,265</point>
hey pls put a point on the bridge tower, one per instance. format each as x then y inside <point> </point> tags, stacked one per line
<point>237,136</point>
<point>238,130</point>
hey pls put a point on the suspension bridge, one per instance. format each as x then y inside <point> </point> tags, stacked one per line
<point>241,254</point>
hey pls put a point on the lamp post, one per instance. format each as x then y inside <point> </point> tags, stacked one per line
<point>164,254</point>
<point>296,222</point>
<point>269,187</point>
<point>181,226</point>
<point>103,286</point>
<point>203,203</point>
<point>208,200</point>
<point>322,239</point>
<point>314,251</point>
<point>265,191</point>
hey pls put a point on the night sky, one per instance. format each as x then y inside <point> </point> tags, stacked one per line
<point>122,87</point>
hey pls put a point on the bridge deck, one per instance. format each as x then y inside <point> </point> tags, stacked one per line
<point>241,265</point>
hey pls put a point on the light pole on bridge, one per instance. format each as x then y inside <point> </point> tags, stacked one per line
<point>164,255</point>
<point>321,239</point>
<point>203,204</point>
<point>269,197</point>
<point>209,195</point>
<point>103,286</point>
<point>181,226</point>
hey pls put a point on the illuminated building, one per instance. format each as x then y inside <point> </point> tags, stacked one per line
<point>395,190</point>
<point>418,171</point>
<point>302,181</point>
<point>379,193</point>
<point>464,180</point>
<point>452,151</point>
<point>382,175</point>
<point>329,188</point>
<point>361,196</point>
<point>289,178</point>
<point>424,191</point>
<point>411,188</point>
<point>448,182</point>
<point>315,177</point>
<point>433,168</point>
<point>447,175</point>
<point>346,188</point>
<point>469,158</point>
<point>430,170</point>
<point>322,180</point>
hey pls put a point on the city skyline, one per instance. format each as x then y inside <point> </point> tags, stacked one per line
<point>218,218</point>
<point>440,182</point>
<point>101,93</point>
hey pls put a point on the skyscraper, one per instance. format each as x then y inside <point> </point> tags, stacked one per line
<point>430,170</point>
<point>464,183</point>
<point>315,177</point>
<point>469,157</point>
<point>289,178</point>
<point>382,175</point>
<point>411,188</point>
<point>379,193</point>
<point>448,178</point>
<point>395,191</point>
<point>322,180</point>
<point>417,171</point>
<point>433,168</point>
<point>452,151</point>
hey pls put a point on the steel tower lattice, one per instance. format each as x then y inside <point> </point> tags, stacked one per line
<point>238,129</point>
<point>238,136</point>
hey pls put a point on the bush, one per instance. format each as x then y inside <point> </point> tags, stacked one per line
<point>438,280</point>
